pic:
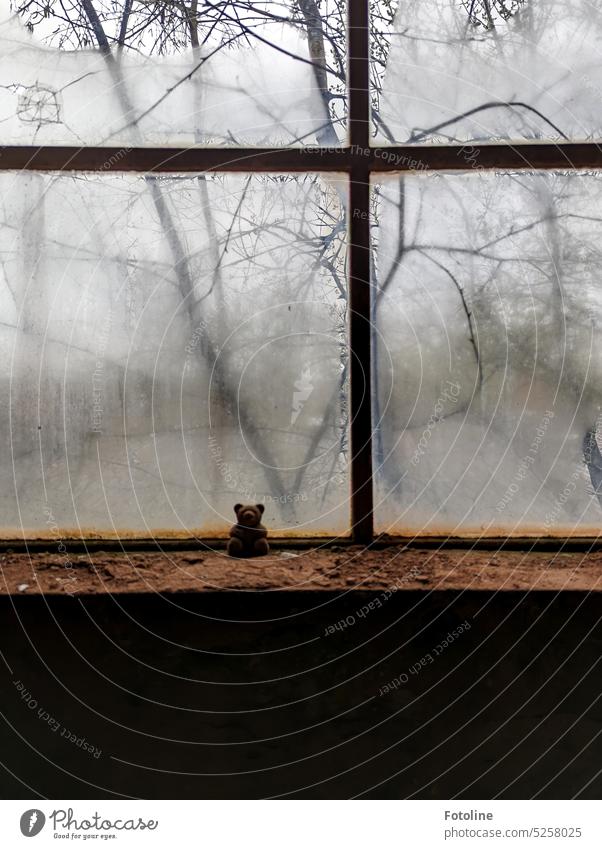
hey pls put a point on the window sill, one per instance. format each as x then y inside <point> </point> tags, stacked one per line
<point>327,569</point>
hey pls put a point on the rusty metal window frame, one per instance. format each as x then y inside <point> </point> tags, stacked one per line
<point>357,159</point>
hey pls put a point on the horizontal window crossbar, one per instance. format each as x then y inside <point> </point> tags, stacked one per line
<point>398,158</point>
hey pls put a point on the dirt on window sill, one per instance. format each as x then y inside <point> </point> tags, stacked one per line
<point>333,569</point>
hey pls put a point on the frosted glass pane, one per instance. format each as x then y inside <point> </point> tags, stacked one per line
<point>170,347</point>
<point>464,70</point>
<point>487,311</point>
<point>258,88</point>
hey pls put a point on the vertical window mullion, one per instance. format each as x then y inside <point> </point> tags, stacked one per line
<point>358,81</point>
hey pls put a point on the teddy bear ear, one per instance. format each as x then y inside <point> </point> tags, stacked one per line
<point>237,507</point>
<point>260,507</point>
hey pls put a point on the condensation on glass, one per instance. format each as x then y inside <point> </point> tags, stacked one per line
<point>243,91</point>
<point>171,346</point>
<point>480,70</point>
<point>488,359</point>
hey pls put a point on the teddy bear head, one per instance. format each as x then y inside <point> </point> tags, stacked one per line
<point>249,515</point>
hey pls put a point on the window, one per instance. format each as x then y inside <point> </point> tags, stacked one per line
<point>246,258</point>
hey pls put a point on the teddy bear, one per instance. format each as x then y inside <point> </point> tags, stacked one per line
<point>248,537</point>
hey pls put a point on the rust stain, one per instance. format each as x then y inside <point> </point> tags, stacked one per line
<point>492,532</point>
<point>202,533</point>
<point>221,532</point>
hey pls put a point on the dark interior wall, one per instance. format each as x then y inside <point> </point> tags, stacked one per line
<point>245,695</point>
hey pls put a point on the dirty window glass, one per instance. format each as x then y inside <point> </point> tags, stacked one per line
<point>117,73</point>
<point>171,346</point>
<point>487,351</point>
<point>479,70</point>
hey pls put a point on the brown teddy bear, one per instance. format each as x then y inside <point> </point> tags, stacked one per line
<point>248,537</point>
